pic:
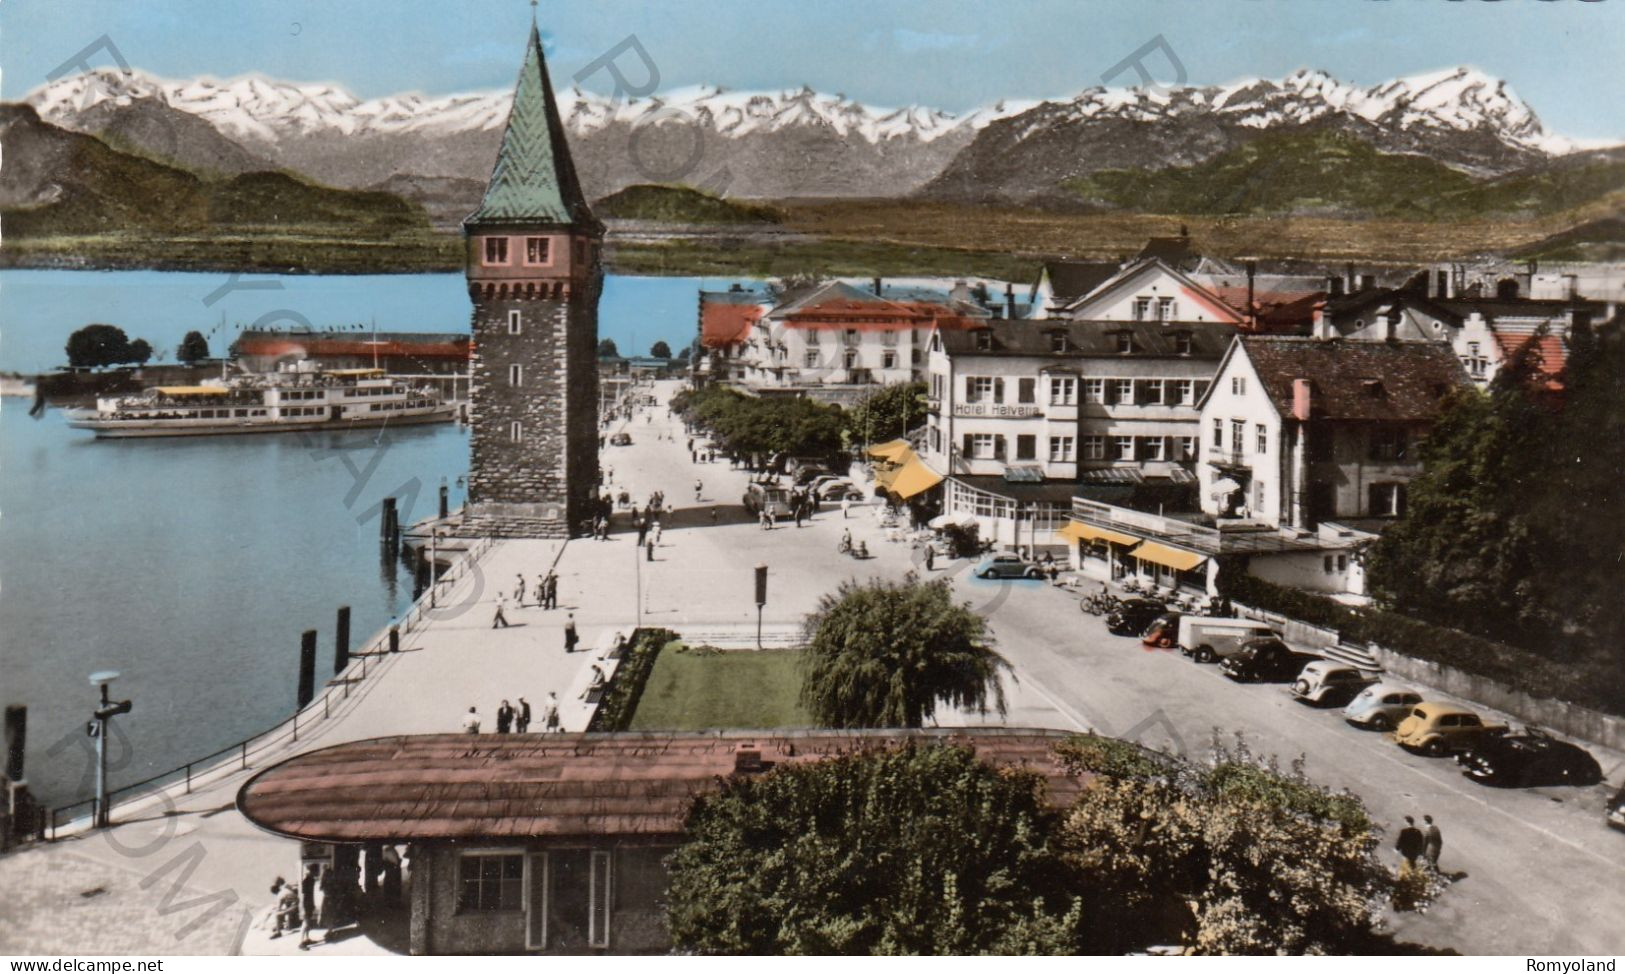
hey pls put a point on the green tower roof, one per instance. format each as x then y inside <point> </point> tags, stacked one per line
<point>534,180</point>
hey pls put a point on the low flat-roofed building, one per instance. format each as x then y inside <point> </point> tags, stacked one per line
<point>555,843</point>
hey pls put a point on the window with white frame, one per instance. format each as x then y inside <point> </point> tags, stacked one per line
<point>1094,390</point>
<point>936,385</point>
<point>1151,447</point>
<point>490,882</point>
<point>888,359</point>
<point>1027,390</point>
<point>850,336</point>
<point>1165,309</point>
<point>1142,309</point>
<point>1057,341</point>
<point>598,899</point>
<point>1218,434</point>
<point>516,375</point>
<point>812,336</point>
<point>1238,385</point>
<point>978,388</point>
<point>1182,344</point>
<point>513,323</point>
<point>1263,434</point>
<point>982,446</point>
<point>496,250</point>
<point>1151,392</point>
<point>1185,391</point>
<point>1258,497</point>
<point>888,337</point>
<point>1187,447</point>
<point>1094,447</point>
<point>811,359</point>
<point>1123,391</point>
<point>1123,447</point>
<point>1238,430</point>
<point>1063,390</point>
<point>1125,342</point>
<point>1060,449</point>
<point>850,358</point>
<point>538,250</point>
<point>516,432</point>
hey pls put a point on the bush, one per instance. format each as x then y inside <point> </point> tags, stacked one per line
<point>97,345</point>
<point>620,699</point>
<point>193,348</point>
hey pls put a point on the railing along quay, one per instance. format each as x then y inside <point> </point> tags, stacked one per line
<point>236,757</point>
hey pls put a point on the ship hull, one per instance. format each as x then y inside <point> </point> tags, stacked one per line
<point>113,429</point>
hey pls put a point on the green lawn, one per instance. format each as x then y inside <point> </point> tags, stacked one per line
<point>698,690</point>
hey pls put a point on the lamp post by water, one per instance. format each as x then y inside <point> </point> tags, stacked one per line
<point>97,728</point>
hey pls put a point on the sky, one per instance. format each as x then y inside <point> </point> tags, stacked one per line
<point>1560,56</point>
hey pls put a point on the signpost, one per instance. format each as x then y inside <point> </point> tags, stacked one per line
<point>761,600</point>
<point>97,728</point>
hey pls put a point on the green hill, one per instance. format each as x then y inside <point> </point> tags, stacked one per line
<point>680,204</point>
<point>1335,174</point>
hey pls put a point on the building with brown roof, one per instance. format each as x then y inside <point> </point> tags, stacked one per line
<point>551,843</point>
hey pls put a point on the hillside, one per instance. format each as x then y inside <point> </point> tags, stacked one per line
<point>1332,173</point>
<point>680,204</point>
<point>58,183</point>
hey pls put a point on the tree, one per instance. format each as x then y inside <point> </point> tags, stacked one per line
<point>140,351</point>
<point>1236,858</point>
<point>193,349</point>
<point>97,345</point>
<point>887,414</point>
<point>607,349</point>
<point>660,350</point>
<point>884,654</point>
<point>913,850</point>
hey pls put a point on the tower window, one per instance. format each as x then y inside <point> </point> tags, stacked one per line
<point>516,432</point>
<point>538,250</point>
<point>513,322</point>
<point>516,375</point>
<point>496,250</point>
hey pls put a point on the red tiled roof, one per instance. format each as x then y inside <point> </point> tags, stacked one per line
<point>451,786</point>
<point>1546,358</point>
<point>1381,381</point>
<point>724,323</point>
<point>359,347</point>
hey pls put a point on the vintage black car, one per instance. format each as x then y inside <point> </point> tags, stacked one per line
<point>1133,616</point>
<point>1530,758</point>
<point>1265,660</point>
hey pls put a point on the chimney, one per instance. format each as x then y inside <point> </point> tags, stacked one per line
<point>1319,325</point>
<point>877,287</point>
<point>1010,301</point>
<point>1390,324</point>
<point>1252,305</point>
<point>1368,282</point>
<point>961,291</point>
<point>1506,289</point>
<point>1349,279</point>
<point>1441,284</point>
<point>1303,397</point>
<point>1334,286</point>
<point>748,759</point>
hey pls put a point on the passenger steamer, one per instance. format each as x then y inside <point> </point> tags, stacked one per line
<point>274,402</point>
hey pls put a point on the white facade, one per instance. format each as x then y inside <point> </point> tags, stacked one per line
<point>1151,291</point>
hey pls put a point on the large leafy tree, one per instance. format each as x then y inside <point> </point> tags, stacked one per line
<point>885,654</point>
<point>608,349</point>
<point>916,850</point>
<point>140,351</point>
<point>96,345</point>
<point>660,350</point>
<point>193,349</point>
<point>1234,858</point>
<point>744,425</point>
<point>887,414</point>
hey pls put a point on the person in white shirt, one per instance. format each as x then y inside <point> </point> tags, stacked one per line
<point>471,721</point>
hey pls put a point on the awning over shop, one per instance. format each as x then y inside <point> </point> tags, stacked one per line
<point>1079,531</point>
<point>914,477</point>
<point>885,475</point>
<point>895,450</point>
<point>1175,558</point>
<point>944,520</point>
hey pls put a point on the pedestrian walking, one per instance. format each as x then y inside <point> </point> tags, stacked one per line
<point>930,558</point>
<point>649,550</point>
<point>643,530</point>
<point>698,487</point>
<point>499,620</point>
<point>504,718</point>
<point>691,444</point>
<point>800,509</point>
<point>307,903</point>
<point>846,508</point>
<point>519,590</point>
<point>1432,842</point>
<point>1410,845</point>
<point>471,721</point>
<point>550,712</point>
<point>767,525</point>
<point>521,720</point>
<point>570,637</point>
<point>656,531</point>
<point>552,595</point>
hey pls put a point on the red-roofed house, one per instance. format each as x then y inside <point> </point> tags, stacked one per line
<point>396,352</point>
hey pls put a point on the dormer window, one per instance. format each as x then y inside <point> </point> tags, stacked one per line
<point>1372,388</point>
<point>1125,342</point>
<point>1057,341</point>
<point>984,340</point>
<point>496,250</point>
<point>1182,343</point>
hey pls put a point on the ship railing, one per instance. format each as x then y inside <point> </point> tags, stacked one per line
<point>248,753</point>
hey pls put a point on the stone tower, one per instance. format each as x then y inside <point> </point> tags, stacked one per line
<point>534,275</point>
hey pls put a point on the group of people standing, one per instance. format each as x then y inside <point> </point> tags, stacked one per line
<point>546,593</point>
<point>516,719</point>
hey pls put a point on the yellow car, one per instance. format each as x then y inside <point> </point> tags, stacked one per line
<point>1436,729</point>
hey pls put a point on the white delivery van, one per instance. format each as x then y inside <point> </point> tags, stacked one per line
<point>1207,638</point>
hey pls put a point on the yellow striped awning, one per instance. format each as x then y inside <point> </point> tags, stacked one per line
<point>1079,531</point>
<point>914,477</point>
<point>894,450</point>
<point>1175,558</point>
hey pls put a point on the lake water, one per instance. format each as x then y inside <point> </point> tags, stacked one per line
<point>193,565</point>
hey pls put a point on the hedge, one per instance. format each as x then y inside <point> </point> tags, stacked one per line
<point>1586,682</point>
<point>620,699</point>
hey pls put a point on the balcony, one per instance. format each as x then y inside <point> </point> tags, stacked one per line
<point>1227,459</point>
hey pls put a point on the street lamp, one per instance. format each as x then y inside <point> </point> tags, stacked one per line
<point>97,728</point>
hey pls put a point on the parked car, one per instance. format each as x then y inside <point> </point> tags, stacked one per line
<point>1163,632</point>
<point>818,481</point>
<point>1330,684</point>
<point>1267,659</point>
<point>770,497</point>
<point>1206,639</point>
<point>1530,758</point>
<point>834,490</point>
<point>1436,729</point>
<point>1616,809</point>
<point>1381,706</point>
<point>807,475</point>
<point>1133,616</point>
<point>621,439</point>
<point>1008,566</point>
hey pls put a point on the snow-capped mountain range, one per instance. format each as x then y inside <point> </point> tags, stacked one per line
<point>788,143</point>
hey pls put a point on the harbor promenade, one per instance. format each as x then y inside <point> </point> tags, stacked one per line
<point>182,873</point>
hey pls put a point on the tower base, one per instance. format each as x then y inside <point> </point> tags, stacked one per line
<point>494,520</point>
